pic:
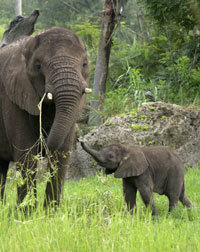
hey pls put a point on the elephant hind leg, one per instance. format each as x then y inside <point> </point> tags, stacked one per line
<point>173,190</point>
<point>183,197</point>
<point>173,201</point>
<point>3,175</point>
<point>173,197</point>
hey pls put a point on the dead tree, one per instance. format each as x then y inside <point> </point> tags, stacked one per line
<point>20,26</point>
<point>112,11</point>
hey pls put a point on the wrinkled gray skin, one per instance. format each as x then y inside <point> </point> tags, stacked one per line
<point>147,169</point>
<point>20,26</point>
<point>53,61</point>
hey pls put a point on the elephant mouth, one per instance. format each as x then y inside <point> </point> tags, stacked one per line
<point>109,171</point>
<point>48,122</point>
<point>102,164</point>
<point>109,166</point>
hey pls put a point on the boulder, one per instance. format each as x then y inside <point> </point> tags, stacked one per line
<point>155,123</point>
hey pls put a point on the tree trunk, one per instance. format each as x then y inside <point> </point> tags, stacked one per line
<point>18,8</point>
<point>110,14</point>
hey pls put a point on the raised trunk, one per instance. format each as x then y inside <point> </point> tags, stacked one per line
<point>67,94</point>
<point>95,154</point>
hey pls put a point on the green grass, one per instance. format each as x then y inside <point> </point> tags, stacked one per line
<point>93,217</point>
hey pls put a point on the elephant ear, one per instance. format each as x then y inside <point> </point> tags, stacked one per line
<point>133,164</point>
<point>18,85</point>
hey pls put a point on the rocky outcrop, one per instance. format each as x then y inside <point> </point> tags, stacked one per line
<point>155,123</point>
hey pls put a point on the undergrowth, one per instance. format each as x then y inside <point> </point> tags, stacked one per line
<point>131,89</point>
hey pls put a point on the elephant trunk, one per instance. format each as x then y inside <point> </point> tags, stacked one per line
<point>95,154</point>
<point>67,94</point>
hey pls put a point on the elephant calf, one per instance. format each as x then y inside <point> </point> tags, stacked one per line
<point>147,169</point>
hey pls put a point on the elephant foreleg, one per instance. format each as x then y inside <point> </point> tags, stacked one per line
<point>3,175</point>
<point>147,197</point>
<point>58,168</point>
<point>58,164</point>
<point>28,181</point>
<point>130,192</point>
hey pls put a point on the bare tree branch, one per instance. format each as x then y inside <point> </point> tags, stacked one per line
<point>74,9</point>
<point>134,32</point>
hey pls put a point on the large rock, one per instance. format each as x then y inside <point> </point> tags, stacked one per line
<point>155,123</point>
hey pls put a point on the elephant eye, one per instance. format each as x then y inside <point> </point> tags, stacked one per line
<point>85,64</point>
<point>37,67</point>
<point>110,156</point>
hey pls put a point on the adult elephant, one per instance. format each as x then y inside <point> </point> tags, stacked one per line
<point>54,62</point>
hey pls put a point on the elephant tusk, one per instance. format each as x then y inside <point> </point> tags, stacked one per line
<point>88,90</point>
<point>49,96</point>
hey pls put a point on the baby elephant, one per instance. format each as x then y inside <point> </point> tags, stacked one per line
<point>147,169</point>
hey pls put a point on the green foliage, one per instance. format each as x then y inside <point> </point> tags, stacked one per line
<point>117,102</point>
<point>90,33</point>
<point>176,11</point>
<point>93,217</point>
<point>184,82</point>
<point>7,12</point>
<point>1,31</point>
<point>129,93</point>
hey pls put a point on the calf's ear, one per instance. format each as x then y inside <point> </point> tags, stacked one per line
<point>133,164</point>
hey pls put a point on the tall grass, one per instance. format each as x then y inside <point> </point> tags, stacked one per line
<point>93,217</point>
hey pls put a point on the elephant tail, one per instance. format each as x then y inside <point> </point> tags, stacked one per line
<point>183,197</point>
